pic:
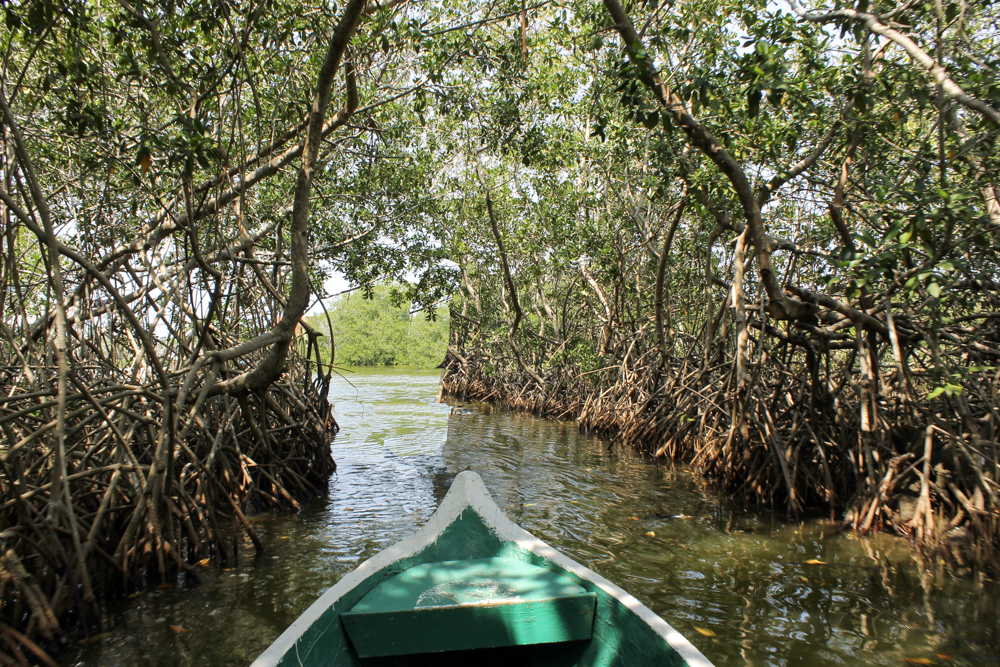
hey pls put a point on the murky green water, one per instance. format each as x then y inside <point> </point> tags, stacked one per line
<point>745,589</point>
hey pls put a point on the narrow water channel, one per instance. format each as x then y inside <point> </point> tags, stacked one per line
<point>746,589</point>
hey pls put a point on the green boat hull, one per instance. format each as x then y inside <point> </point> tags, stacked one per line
<point>469,526</point>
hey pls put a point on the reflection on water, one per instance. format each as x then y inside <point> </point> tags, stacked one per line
<point>745,589</point>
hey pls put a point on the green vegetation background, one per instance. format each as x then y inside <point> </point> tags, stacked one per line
<point>377,329</point>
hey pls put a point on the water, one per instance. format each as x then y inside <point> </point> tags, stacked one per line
<point>745,589</point>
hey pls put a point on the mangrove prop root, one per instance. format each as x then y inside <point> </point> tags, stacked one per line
<point>790,440</point>
<point>142,515</point>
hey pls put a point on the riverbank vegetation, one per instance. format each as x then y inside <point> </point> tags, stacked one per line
<point>760,238</point>
<point>161,165</point>
<point>378,329</point>
<point>764,244</point>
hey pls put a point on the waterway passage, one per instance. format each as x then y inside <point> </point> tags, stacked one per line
<point>745,588</point>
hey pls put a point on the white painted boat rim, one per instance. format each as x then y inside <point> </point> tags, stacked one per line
<point>468,490</point>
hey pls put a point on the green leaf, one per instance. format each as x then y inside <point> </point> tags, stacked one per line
<point>893,231</point>
<point>935,393</point>
<point>753,102</point>
<point>13,20</point>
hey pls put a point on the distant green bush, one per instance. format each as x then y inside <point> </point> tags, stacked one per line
<point>376,332</point>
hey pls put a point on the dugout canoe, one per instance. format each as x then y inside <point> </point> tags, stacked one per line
<point>473,588</point>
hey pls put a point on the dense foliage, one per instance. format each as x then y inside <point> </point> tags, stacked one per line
<point>376,329</point>
<point>758,237</point>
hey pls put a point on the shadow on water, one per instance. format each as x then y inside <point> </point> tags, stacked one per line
<point>745,588</point>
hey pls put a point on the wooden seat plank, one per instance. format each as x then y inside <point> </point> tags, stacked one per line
<point>460,605</point>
